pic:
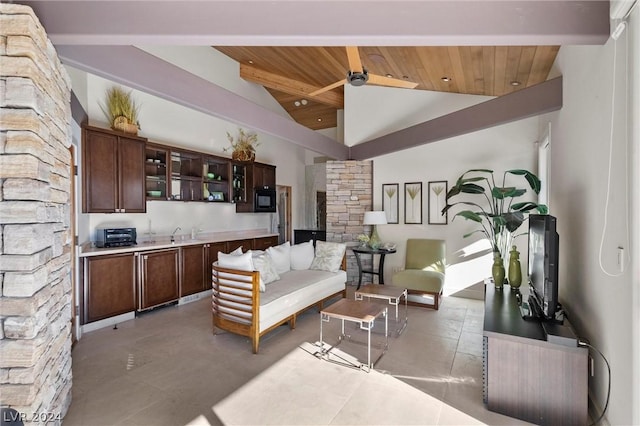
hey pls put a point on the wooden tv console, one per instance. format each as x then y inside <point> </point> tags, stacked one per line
<point>529,373</point>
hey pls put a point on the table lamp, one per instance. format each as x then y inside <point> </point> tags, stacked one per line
<point>374,219</point>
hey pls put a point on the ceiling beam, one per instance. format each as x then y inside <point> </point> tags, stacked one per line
<point>140,70</point>
<point>290,86</point>
<point>535,100</point>
<point>325,23</point>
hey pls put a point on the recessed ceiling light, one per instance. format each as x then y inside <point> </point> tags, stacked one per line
<point>304,102</point>
<point>297,103</point>
<point>389,75</point>
<point>250,61</point>
<point>446,79</point>
<point>515,83</point>
<point>319,119</point>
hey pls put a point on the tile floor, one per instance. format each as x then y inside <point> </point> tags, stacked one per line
<point>166,367</point>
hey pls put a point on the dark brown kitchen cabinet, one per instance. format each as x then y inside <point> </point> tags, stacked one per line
<point>156,171</point>
<point>196,266</point>
<point>264,175</point>
<point>264,243</point>
<point>193,266</point>
<point>113,166</point>
<point>186,175</point>
<point>210,256</point>
<point>159,279</point>
<point>256,175</point>
<point>109,286</point>
<point>215,179</point>
<point>245,244</point>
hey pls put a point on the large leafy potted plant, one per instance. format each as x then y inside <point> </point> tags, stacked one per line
<point>497,213</point>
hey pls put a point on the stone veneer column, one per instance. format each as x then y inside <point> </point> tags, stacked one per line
<point>35,251</point>
<point>349,195</point>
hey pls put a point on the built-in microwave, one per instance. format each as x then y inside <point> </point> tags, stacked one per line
<point>265,201</point>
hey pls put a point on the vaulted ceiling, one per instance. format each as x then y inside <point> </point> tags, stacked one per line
<point>290,74</point>
<point>293,47</point>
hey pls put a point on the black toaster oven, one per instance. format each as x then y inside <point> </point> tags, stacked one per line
<point>115,237</point>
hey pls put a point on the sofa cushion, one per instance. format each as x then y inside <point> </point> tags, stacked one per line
<point>328,256</point>
<point>281,257</point>
<point>302,255</point>
<point>295,290</point>
<point>415,279</point>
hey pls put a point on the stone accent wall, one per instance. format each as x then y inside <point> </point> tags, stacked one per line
<point>35,250</point>
<point>349,195</point>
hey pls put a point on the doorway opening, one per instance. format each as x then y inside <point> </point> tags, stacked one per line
<point>321,210</point>
<point>284,213</point>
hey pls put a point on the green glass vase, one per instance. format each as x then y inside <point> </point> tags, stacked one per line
<point>515,271</point>
<point>497,271</point>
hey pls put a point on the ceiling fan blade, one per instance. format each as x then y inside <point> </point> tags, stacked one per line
<point>329,87</point>
<point>388,81</point>
<point>355,64</point>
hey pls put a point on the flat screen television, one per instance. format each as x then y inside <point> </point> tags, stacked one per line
<point>543,265</point>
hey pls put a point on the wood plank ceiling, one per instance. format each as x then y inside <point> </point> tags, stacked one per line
<point>291,73</point>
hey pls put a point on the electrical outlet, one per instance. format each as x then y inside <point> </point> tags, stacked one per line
<point>592,369</point>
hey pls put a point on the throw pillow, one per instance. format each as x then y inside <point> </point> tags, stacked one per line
<point>301,256</point>
<point>268,273</point>
<point>281,257</point>
<point>237,252</point>
<point>242,262</point>
<point>328,256</point>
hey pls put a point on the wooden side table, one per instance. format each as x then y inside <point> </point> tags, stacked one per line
<point>362,313</point>
<point>367,250</point>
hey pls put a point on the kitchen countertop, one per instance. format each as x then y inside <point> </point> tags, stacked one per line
<point>88,249</point>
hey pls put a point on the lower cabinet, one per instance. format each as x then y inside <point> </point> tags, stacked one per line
<point>109,286</point>
<point>245,244</point>
<point>193,265</point>
<point>121,283</point>
<point>264,243</point>
<point>196,267</point>
<point>159,277</point>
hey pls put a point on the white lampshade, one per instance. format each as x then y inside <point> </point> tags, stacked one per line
<point>374,218</point>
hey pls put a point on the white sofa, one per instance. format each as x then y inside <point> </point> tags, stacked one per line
<point>255,292</point>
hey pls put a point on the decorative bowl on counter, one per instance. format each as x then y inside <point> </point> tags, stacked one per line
<point>154,193</point>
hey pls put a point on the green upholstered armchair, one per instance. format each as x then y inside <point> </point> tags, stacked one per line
<point>423,272</point>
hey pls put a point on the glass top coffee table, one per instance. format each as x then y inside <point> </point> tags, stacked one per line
<point>360,312</point>
<point>389,293</point>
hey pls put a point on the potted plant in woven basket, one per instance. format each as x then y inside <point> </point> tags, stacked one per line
<point>243,147</point>
<point>121,110</point>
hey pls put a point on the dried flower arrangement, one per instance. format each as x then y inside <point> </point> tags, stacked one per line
<point>244,146</point>
<point>121,110</point>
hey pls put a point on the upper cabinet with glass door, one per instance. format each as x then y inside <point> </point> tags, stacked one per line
<point>215,179</point>
<point>239,183</point>
<point>156,172</point>
<point>186,176</point>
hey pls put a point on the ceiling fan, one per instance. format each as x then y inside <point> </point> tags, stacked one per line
<point>358,75</point>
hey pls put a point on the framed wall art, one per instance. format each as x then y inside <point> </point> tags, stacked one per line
<point>413,202</point>
<point>390,201</point>
<point>437,199</point>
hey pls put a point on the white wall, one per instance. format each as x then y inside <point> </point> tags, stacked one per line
<point>499,148</point>
<point>590,174</point>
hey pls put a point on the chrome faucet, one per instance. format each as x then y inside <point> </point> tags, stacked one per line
<point>173,234</point>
